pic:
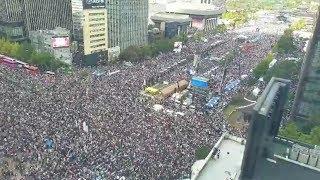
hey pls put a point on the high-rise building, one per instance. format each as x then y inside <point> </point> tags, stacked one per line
<point>18,17</point>
<point>47,14</point>
<point>264,154</point>
<point>11,19</point>
<point>307,101</point>
<point>127,22</point>
<point>95,31</point>
<point>78,19</point>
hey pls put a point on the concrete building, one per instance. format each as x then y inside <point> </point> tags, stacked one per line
<point>78,19</point>
<point>47,14</point>
<point>11,20</point>
<point>19,17</point>
<point>264,155</point>
<point>95,31</point>
<point>55,42</point>
<point>170,24</point>
<point>204,14</point>
<point>127,22</point>
<point>307,101</point>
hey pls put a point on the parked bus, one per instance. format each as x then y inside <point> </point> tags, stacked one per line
<point>33,70</point>
<point>7,61</point>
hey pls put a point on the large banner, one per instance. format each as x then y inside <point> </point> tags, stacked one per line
<point>94,4</point>
<point>58,42</point>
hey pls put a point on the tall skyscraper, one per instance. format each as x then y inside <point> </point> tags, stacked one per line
<point>18,17</point>
<point>307,101</point>
<point>78,19</point>
<point>127,22</point>
<point>47,14</point>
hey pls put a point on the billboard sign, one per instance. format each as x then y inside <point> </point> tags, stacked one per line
<point>58,42</point>
<point>93,4</point>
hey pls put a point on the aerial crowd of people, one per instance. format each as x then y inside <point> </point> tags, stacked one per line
<point>80,126</point>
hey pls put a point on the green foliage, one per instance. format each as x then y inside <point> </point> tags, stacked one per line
<point>25,52</point>
<point>130,54</point>
<point>136,53</point>
<point>198,35</point>
<point>262,68</point>
<point>182,38</point>
<point>285,44</point>
<point>221,28</point>
<point>163,45</point>
<point>292,131</point>
<point>237,17</point>
<point>202,153</point>
<point>298,25</point>
<point>284,69</point>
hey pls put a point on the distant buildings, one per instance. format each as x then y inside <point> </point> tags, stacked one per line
<point>127,22</point>
<point>47,14</point>
<point>171,25</point>
<point>95,31</point>
<point>19,17</point>
<point>78,19</point>
<point>204,14</point>
<point>55,42</point>
<point>95,26</point>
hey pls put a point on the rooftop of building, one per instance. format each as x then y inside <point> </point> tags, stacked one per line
<point>277,168</point>
<point>194,9</point>
<point>171,17</point>
<point>227,165</point>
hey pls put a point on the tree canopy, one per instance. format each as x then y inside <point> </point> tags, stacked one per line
<point>285,45</point>
<point>291,131</point>
<point>26,53</point>
<point>261,69</point>
<point>284,69</point>
<point>139,53</point>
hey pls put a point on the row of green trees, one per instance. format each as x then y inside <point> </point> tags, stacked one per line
<point>255,5</point>
<point>261,69</point>
<point>26,53</point>
<point>293,132</point>
<point>285,45</point>
<point>139,53</point>
<point>236,17</point>
<point>284,69</point>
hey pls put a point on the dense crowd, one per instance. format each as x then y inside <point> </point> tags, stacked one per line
<point>81,126</point>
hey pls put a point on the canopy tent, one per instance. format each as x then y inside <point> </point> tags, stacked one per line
<point>213,102</point>
<point>152,90</point>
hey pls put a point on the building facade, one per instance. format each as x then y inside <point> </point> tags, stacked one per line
<point>11,19</point>
<point>127,22</point>
<point>19,17</point>
<point>55,42</point>
<point>95,31</point>
<point>78,19</point>
<point>306,106</point>
<point>47,14</point>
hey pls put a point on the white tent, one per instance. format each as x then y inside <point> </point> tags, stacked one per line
<point>256,91</point>
<point>157,107</point>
